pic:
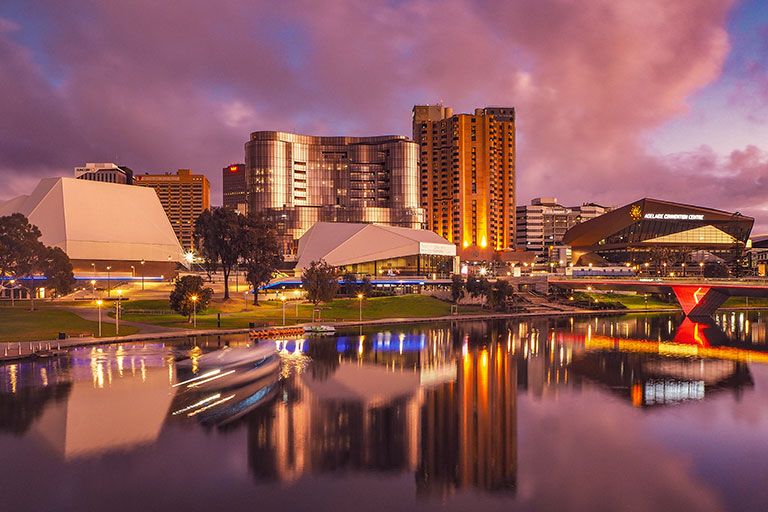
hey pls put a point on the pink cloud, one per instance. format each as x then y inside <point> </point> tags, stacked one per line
<point>159,87</point>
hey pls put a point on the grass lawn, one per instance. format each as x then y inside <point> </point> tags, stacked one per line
<point>634,301</point>
<point>20,324</point>
<point>271,312</point>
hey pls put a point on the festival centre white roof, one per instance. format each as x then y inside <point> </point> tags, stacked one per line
<point>341,243</point>
<point>93,220</point>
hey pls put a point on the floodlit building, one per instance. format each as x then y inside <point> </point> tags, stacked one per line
<point>659,232</point>
<point>374,250</point>
<point>235,193</point>
<point>184,197</point>
<point>298,180</point>
<point>102,225</point>
<point>468,176</point>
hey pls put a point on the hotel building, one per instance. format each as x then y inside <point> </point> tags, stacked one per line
<point>184,197</point>
<point>468,176</point>
<point>298,180</point>
<point>106,172</point>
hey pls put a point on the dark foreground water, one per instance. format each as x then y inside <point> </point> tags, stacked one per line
<point>626,413</point>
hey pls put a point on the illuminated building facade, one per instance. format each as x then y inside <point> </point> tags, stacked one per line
<point>184,197</point>
<point>235,187</point>
<point>659,233</point>
<point>468,176</point>
<point>298,180</point>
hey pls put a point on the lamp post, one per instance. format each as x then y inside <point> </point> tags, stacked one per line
<point>133,271</point>
<point>360,300</point>
<point>683,269</point>
<point>99,302</point>
<point>194,311</point>
<point>283,299</point>
<point>94,270</point>
<point>13,292</point>
<point>93,289</point>
<point>664,272</point>
<point>109,288</point>
<point>117,312</point>
<point>297,305</point>
<point>142,275</point>
<point>245,298</point>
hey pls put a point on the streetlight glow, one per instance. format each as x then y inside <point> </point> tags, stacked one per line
<point>194,310</point>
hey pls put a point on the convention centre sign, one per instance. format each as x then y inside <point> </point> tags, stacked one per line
<point>673,216</point>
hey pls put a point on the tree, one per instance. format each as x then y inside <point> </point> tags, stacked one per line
<point>261,252</point>
<point>185,288</point>
<point>58,271</point>
<point>320,282</point>
<point>498,294</point>
<point>22,255</point>
<point>219,239</point>
<point>457,288</point>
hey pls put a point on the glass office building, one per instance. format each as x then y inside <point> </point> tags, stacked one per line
<point>298,180</point>
<point>653,231</point>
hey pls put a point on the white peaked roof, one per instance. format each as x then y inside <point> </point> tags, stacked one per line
<point>340,243</point>
<point>93,220</point>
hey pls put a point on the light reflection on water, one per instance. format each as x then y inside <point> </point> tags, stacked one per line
<point>485,415</point>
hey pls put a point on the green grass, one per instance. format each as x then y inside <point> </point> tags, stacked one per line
<point>271,312</point>
<point>634,301</point>
<point>20,324</point>
<point>740,302</point>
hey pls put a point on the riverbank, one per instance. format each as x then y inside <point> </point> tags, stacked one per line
<point>20,351</point>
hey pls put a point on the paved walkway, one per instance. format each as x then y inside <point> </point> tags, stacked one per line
<point>93,316</point>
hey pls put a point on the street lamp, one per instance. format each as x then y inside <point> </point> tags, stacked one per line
<point>360,299</point>
<point>99,302</point>
<point>94,270</point>
<point>142,275</point>
<point>297,305</point>
<point>93,289</point>
<point>133,271</point>
<point>117,312</point>
<point>283,299</point>
<point>245,298</point>
<point>13,293</point>
<point>109,289</point>
<point>194,311</point>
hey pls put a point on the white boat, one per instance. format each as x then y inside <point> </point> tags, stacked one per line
<point>319,329</point>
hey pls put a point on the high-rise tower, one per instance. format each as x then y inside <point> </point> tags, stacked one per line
<point>468,176</point>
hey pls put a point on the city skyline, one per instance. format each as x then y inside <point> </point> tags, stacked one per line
<point>660,97</point>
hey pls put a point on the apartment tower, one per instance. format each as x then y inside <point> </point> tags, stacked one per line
<point>467,164</point>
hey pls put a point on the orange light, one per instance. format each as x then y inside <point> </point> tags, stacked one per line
<point>232,168</point>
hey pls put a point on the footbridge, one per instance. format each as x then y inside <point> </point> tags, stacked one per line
<point>698,298</point>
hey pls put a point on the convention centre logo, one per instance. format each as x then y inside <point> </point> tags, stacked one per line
<point>636,212</point>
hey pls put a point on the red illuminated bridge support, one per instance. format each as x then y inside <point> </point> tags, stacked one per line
<point>699,301</point>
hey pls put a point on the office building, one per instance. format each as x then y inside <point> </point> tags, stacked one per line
<point>235,193</point>
<point>106,172</point>
<point>540,226</point>
<point>468,176</point>
<point>298,180</point>
<point>184,197</point>
<point>661,234</point>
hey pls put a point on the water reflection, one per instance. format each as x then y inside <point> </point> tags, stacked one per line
<point>438,403</point>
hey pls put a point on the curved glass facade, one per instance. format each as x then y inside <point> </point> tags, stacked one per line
<point>298,180</point>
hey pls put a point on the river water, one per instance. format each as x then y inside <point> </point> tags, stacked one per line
<point>638,412</point>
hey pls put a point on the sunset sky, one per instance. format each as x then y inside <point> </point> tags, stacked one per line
<point>615,99</point>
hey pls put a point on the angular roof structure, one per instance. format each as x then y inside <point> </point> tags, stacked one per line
<point>340,243</point>
<point>91,220</point>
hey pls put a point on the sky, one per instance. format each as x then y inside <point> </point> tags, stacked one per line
<point>615,99</point>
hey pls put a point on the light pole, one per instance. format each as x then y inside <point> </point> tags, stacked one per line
<point>683,269</point>
<point>245,298</point>
<point>109,288</point>
<point>297,305</point>
<point>282,298</point>
<point>94,270</point>
<point>117,312</point>
<point>133,271</point>
<point>99,302</point>
<point>13,292</point>
<point>194,311</point>
<point>93,289</point>
<point>360,300</point>
<point>142,275</point>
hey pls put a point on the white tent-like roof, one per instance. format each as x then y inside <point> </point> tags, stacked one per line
<point>92,220</point>
<point>340,243</point>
